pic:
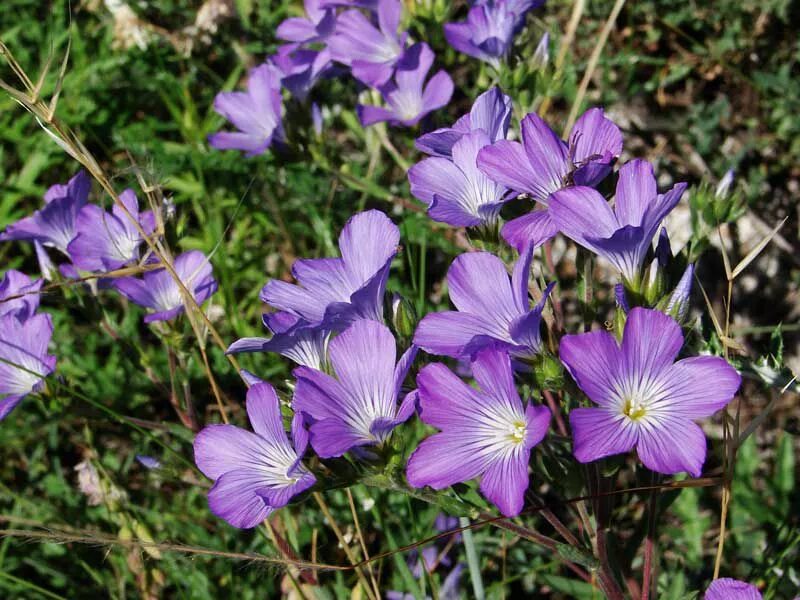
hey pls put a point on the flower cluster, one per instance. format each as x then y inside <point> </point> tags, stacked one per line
<point>349,390</point>
<point>362,37</point>
<point>97,242</point>
<point>349,385</point>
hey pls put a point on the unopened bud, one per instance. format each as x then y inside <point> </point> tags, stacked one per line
<point>548,371</point>
<point>678,304</point>
<point>724,185</point>
<point>655,285</point>
<point>404,317</point>
<point>663,250</point>
<point>541,56</point>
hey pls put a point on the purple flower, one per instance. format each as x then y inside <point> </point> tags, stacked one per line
<point>731,589</point>
<point>492,311</point>
<point>254,473</point>
<point>107,241</point>
<point>543,164</point>
<point>359,407</point>
<point>489,29</point>
<point>316,27</point>
<point>335,291</point>
<point>24,362</point>
<point>19,295</point>
<point>54,224</point>
<point>159,291</point>
<point>487,433</point>
<point>490,112</point>
<point>455,191</point>
<point>622,235</point>
<point>370,52</point>
<point>256,113</point>
<point>407,95</point>
<point>292,337</point>
<point>644,399</point>
<point>301,68</point>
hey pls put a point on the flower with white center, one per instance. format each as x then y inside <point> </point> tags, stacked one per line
<point>645,399</point>
<point>360,406</point>
<point>487,433</point>
<point>255,472</point>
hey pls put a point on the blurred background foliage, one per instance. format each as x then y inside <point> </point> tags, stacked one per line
<point>697,87</point>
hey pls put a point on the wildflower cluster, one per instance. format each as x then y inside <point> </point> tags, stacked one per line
<point>349,389</point>
<point>365,39</point>
<point>101,247</point>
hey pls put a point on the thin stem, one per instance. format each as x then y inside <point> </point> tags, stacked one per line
<point>552,404</point>
<point>472,559</point>
<point>650,540</point>
<point>362,542</point>
<point>345,546</point>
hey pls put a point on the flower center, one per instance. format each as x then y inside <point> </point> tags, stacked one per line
<point>634,409</point>
<point>518,431</point>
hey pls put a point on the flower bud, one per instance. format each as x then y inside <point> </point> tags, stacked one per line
<point>541,56</point>
<point>724,185</point>
<point>404,317</point>
<point>678,304</point>
<point>548,371</point>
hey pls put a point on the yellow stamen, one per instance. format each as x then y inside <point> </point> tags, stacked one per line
<point>634,410</point>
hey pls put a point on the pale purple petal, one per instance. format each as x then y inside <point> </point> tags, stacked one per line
<point>449,333</point>
<point>24,361</point>
<point>433,177</point>
<point>264,413</point>
<point>437,93</point>
<point>672,445</point>
<point>594,360</point>
<point>317,394</point>
<point>234,499</point>
<point>445,459</point>
<point>598,432</point>
<point>532,229</point>
<point>548,157</point>
<point>333,437</point>
<point>700,386</point>
<point>367,241</point>
<point>594,142</point>
<point>505,481</point>
<point>731,589</point>
<point>636,190</point>
<point>650,343</point>
<point>519,279</point>
<point>507,163</point>
<point>19,295</point>
<point>479,284</point>
<point>222,448</point>
<point>583,215</point>
<point>491,112</point>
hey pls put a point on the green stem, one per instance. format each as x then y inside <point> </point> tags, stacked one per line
<point>472,559</point>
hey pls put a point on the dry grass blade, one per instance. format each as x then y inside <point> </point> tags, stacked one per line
<point>593,60</point>
<point>712,314</point>
<point>751,256</point>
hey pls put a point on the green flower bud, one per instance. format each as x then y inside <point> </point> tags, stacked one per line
<point>404,317</point>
